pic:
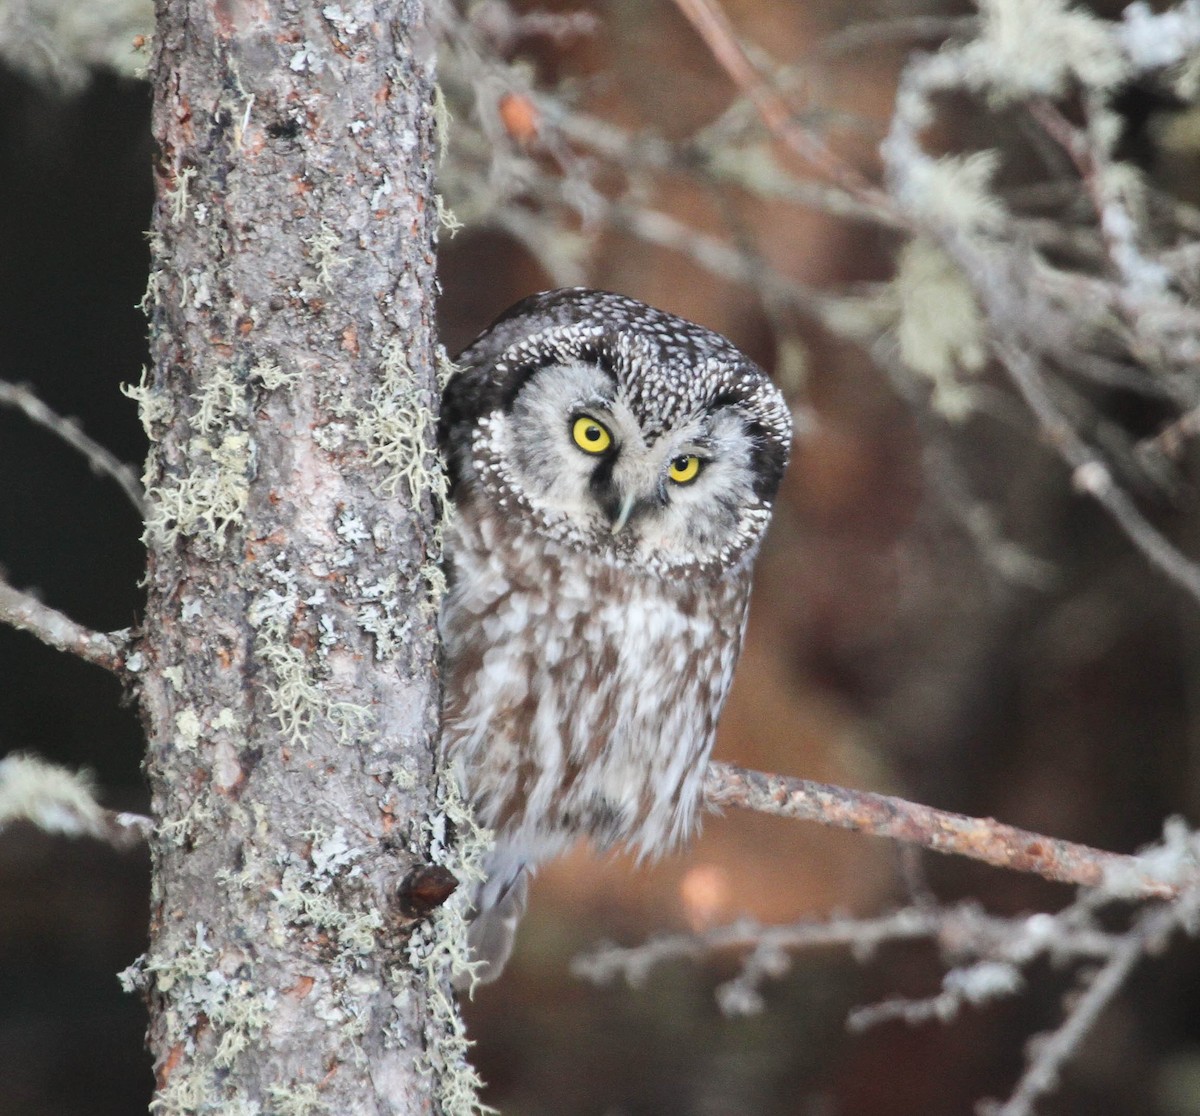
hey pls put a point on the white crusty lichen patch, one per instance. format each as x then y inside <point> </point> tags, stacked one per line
<point>384,614</point>
<point>298,696</point>
<point>313,893</point>
<point>381,602</point>
<point>198,996</point>
<point>352,530</point>
<point>187,729</point>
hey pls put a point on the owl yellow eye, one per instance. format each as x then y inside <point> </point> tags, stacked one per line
<point>684,469</point>
<point>590,435</point>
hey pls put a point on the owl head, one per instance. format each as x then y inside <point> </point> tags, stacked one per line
<point>611,425</point>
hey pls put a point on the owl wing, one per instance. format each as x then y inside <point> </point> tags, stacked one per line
<point>491,933</point>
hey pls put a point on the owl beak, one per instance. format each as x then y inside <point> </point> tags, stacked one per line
<point>624,511</point>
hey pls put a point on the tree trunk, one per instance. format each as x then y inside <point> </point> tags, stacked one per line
<point>288,666</point>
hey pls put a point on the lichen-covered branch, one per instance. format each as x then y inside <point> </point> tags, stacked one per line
<point>986,958</point>
<point>1048,1054</point>
<point>880,815</point>
<point>27,614</point>
<point>950,926</point>
<point>57,800</point>
<point>1050,313</point>
<point>63,41</point>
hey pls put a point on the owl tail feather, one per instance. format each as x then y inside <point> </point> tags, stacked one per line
<point>492,930</point>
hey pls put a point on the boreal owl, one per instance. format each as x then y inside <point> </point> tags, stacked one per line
<point>612,472</point>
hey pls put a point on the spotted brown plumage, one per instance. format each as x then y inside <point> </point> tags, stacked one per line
<point>612,471</point>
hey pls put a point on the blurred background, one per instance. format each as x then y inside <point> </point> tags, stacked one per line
<point>938,614</point>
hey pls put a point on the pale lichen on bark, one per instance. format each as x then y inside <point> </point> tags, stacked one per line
<point>290,686</point>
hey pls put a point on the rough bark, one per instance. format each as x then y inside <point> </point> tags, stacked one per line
<point>288,663</point>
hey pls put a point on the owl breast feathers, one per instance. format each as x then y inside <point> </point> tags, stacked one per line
<point>612,471</point>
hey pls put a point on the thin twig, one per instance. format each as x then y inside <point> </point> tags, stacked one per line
<point>863,935</point>
<point>1117,227</point>
<point>1172,438</point>
<point>1050,1053</point>
<point>964,927</point>
<point>28,614</point>
<point>713,26</point>
<point>718,257</point>
<point>899,31</point>
<point>1092,476</point>
<point>646,151</point>
<point>985,839</point>
<point>102,461</point>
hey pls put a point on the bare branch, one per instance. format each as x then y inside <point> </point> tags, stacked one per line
<point>719,258</point>
<point>103,463</point>
<point>1049,1053</point>
<point>987,956</point>
<point>712,25</point>
<point>953,928</point>
<point>1093,477</point>
<point>880,815</point>
<point>703,154</point>
<point>28,614</point>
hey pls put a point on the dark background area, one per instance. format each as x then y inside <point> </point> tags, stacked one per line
<point>884,652</point>
<point>75,197</point>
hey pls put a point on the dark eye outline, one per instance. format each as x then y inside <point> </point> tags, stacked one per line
<point>691,461</point>
<point>604,443</point>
